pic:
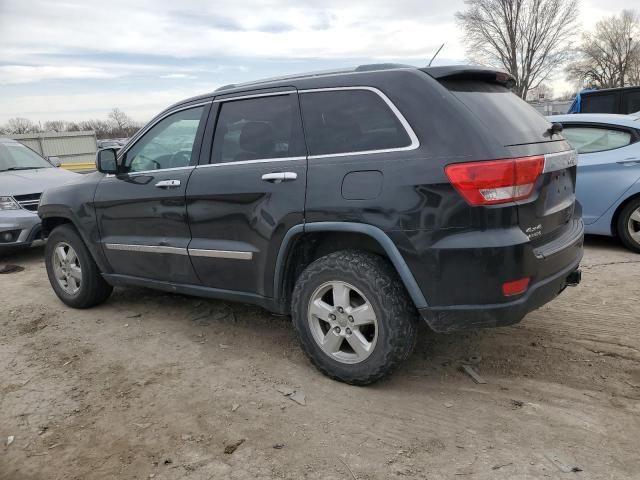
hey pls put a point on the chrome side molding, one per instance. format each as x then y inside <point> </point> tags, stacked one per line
<point>194,252</point>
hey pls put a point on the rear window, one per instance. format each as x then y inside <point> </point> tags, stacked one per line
<point>512,120</point>
<point>350,121</point>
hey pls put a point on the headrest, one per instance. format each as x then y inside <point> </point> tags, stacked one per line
<point>257,138</point>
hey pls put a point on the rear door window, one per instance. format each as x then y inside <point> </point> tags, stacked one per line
<point>350,121</point>
<point>258,129</point>
<point>511,120</point>
<point>596,139</point>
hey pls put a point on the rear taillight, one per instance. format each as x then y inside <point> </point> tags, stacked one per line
<point>495,181</point>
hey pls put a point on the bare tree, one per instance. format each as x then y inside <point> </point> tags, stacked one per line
<point>55,126</point>
<point>567,95</point>
<point>102,128</point>
<point>609,56</point>
<point>528,38</point>
<point>540,93</point>
<point>17,126</point>
<point>117,125</point>
<point>633,75</point>
<point>120,120</point>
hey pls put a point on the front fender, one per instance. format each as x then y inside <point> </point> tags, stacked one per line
<point>73,203</point>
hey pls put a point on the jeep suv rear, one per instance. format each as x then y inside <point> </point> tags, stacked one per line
<point>357,201</point>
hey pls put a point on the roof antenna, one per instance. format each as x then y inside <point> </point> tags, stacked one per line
<point>435,55</point>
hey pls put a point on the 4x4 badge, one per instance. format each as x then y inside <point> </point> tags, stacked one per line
<point>534,232</point>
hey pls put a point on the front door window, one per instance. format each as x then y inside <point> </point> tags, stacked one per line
<point>168,144</point>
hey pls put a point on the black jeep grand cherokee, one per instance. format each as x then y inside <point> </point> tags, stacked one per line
<point>353,200</point>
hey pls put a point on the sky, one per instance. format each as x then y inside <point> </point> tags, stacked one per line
<point>76,60</point>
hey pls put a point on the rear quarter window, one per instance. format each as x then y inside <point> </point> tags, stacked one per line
<point>596,139</point>
<point>350,121</point>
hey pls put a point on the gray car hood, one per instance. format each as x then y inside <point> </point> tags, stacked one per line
<point>22,182</point>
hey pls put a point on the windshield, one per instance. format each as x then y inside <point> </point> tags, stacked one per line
<point>14,156</point>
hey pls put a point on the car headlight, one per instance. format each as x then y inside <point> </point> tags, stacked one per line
<point>8,203</point>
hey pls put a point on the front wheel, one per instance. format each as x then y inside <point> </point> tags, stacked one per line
<point>73,274</point>
<point>628,226</point>
<point>353,316</point>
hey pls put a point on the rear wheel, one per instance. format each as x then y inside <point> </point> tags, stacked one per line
<point>353,316</point>
<point>628,226</point>
<point>73,274</point>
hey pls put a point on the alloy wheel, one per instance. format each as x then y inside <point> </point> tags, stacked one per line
<point>342,322</point>
<point>633,225</point>
<point>66,268</point>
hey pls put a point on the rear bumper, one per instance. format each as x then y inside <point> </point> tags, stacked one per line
<point>449,319</point>
<point>469,291</point>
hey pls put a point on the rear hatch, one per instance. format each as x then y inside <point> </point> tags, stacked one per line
<point>546,212</point>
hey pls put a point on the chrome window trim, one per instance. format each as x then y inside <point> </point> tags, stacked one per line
<point>196,252</point>
<point>146,248</point>
<point>248,162</point>
<point>560,160</point>
<point>144,172</point>
<point>254,95</point>
<point>415,143</point>
<point>172,169</point>
<point>149,126</point>
<point>231,254</point>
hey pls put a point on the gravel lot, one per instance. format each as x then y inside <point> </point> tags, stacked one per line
<point>153,385</point>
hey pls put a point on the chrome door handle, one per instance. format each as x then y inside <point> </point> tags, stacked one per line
<point>278,177</point>
<point>168,184</point>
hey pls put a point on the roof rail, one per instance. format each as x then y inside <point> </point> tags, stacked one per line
<point>362,68</point>
<point>372,67</point>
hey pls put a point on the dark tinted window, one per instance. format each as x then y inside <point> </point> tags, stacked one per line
<point>258,128</point>
<point>509,118</point>
<point>599,103</point>
<point>632,101</point>
<point>345,121</point>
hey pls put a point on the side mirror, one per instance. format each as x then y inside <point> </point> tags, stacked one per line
<point>107,161</point>
<point>55,161</point>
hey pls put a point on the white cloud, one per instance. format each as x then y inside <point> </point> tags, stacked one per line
<point>184,76</point>
<point>374,28</point>
<point>97,60</point>
<point>11,74</point>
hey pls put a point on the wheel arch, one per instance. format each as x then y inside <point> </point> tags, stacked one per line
<point>54,217</point>
<point>304,243</point>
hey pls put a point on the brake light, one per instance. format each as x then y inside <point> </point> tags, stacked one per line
<point>495,181</point>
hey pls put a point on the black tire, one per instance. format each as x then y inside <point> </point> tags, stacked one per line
<point>622,225</point>
<point>396,315</point>
<point>93,289</point>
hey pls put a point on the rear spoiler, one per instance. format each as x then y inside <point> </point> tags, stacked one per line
<point>468,72</point>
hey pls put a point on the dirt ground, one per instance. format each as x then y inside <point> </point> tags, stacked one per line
<point>154,385</point>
